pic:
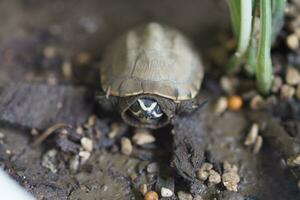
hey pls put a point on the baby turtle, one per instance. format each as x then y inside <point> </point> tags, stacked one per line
<point>150,74</point>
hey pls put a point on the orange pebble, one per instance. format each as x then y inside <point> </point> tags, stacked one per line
<point>151,195</point>
<point>235,102</point>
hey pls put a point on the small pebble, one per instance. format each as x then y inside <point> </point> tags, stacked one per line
<point>143,189</point>
<point>276,84</point>
<point>214,177</point>
<point>230,180</point>
<point>34,132</point>
<point>114,130</point>
<point>202,175</point>
<point>292,76</point>
<point>74,163</point>
<point>152,168</point>
<point>229,167</point>
<point>87,143</point>
<point>184,195</point>
<point>104,188</point>
<point>142,137</point>
<point>271,100</point>
<point>84,156</point>
<point>258,144</point>
<point>203,172</point>
<point>294,161</point>
<point>49,160</point>
<point>257,102</point>
<point>92,120</point>
<point>207,166</point>
<point>126,146</point>
<point>287,92</point>
<point>298,91</point>
<point>221,105</point>
<point>166,192</point>
<point>197,197</point>
<point>292,42</point>
<point>79,130</point>
<point>83,58</point>
<point>151,195</point>
<point>235,103</point>
<point>49,52</point>
<point>67,69</point>
<point>228,84</point>
<point>2,136</point>
<point>252,135</point>
<point>52,80</point>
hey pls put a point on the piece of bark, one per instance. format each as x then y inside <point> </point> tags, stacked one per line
<point>41,106</point>
<point>189,146</point>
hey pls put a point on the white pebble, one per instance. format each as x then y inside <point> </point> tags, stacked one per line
<point>221,105</point>
<point>276,84</point>
<point>2,135</point>
<point>252,135</point>
<point>197,197</point>
<point>143,189</point>
<point>228,84</point>
<point>258,144</point>
<point>49,52</point>
<point>166,192</point>
<point>152,168</point>
<point>294,161</point>
<point>49,160</point>
<point>230,181</point>
<point>142,137</point>
<point>114,131</point>
<point>229,167</point>
<point>184,195</point>
<point>287,91</point>
<point>126,146</point>
<point>292,76</point>
<point>292,41</point>
<point>74,163</point>
<point>214,177</point>
<point>87,143</point>
<point>84,156</point>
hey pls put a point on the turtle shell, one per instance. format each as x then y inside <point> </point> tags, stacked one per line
<point>152,59</point>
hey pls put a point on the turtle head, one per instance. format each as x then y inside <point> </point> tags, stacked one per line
<point>146,110</point>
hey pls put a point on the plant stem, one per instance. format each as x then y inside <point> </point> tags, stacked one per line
<point>278,7</point>
<point>244,31</point>
<point>235,13</point>
<point>264,63</point>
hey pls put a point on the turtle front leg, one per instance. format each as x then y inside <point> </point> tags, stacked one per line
<point>106,102</point>
<point>188,107</point>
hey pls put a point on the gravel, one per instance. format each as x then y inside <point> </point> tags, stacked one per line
<point>252,135</point>
<point>166,192</point>
<point>126,146</point>
<point>142,137</point>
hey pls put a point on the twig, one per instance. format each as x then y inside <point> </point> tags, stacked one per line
<point>48,132</point>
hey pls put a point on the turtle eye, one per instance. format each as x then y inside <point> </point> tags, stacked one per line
<point>146,110</point>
